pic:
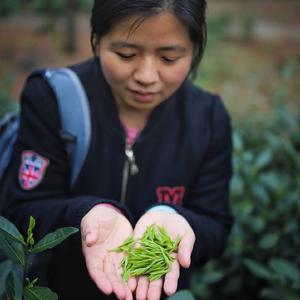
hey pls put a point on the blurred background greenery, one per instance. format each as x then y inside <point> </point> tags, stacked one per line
<point>252,60</point>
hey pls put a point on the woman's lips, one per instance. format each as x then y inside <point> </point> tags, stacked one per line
<point>143,96</point>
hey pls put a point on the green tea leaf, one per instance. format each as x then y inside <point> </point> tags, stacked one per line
<point>268,241</point>
<point>14,286</point>
<point>149,256</point>
<point>182,295</point>
<point>10,231</point>
<point>286,269</point>
<point>237,141</point>
<point>5,268</point>
<point>39,293</point>
<point>258,269</point>
<point>53,239</point>
<point>12,250</point>
<point>277,293</point>
<point>212,277</point>
<point>269,293</point>
<point>30,239</point>
<point>263,159</point>
<point>126,246</point>
<point>31,224</point>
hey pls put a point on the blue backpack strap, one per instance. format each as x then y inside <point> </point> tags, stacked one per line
<point>75,116</point>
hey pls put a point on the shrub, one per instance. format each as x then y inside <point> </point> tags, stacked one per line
<point>9,7</point>
<point>263,257</point>
<point>14,281</point>
<point>6,103</point>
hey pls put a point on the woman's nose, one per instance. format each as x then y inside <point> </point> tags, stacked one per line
<point>146,72</point>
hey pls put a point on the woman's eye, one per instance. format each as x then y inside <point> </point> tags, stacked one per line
<point>169,59</point>
<point>125,55</point>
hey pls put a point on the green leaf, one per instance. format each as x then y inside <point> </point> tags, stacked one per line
<point>30,239</point>
<point>212,277</point>
<point>237,141</point>
<point>39,293</point>
<point>268,241</point>
<point>277,293</point>
<point>5,268</point>
<point>31,224</point>
<point>14,286</point>
<point>182,295</point>
<point>10,231</point>
<point>258,269</point>
<point>53,239</point>
<point>263,159</point>
<point>237,185</point>
<point>269,293</point>
<point>286,269</point>
<point>12,250</point>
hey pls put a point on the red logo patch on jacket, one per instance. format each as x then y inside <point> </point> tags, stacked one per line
<point>32,169</point>
<point>170,195</point>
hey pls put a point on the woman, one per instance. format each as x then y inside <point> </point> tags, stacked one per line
<point>160,152</point>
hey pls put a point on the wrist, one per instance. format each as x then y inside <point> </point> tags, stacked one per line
<point>163,208</point>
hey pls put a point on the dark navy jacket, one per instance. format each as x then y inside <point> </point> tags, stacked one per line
<point>183,156</point>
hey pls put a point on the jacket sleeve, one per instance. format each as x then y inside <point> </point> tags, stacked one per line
<point>50,202</point>
<point>207,204</point>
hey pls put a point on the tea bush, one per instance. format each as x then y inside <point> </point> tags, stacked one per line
<point>6,103</point>
<point>14,271</point>
<point>262,260</point>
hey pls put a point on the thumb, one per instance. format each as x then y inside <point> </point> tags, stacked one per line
<point>185,249</point>
<point>91,238</point>
<point>90,235</point>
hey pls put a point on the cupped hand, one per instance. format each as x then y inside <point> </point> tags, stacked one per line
<point>104,229</point>
<point>176,225</point>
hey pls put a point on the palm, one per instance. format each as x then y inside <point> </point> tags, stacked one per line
<point>103,230</point>
<point>176,225</point>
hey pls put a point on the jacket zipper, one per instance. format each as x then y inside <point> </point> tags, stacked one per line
<point>130,169</point>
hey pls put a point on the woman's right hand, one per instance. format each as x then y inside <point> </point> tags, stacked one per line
<point>104,229</point>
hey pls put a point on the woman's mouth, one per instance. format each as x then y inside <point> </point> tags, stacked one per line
<point>143,96</point>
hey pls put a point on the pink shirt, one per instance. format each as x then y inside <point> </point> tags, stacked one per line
<point>131,133</point>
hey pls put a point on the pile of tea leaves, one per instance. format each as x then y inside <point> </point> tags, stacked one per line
<point>149,256</point>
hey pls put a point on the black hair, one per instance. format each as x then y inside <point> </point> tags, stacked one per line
<point>107,13</point>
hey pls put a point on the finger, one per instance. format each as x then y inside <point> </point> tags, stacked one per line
<point>138,232</point>
<point>142,288</point>
<point>112,272</point>
<point>132,283</point>
<point>90,234</point>
<point>185,249</point>
<point>95,269</point>
<point>171,279</point>
<point>91,238</point>
<point>154,290</point>
<point>129,295</point>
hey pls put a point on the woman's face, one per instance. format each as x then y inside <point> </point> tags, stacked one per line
<point>144,67</point>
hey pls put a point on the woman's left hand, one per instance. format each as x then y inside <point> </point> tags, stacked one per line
<point>176,225</point>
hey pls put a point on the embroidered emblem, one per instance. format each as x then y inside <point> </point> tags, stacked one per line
<point>170,195</point>
<point>32,170</point>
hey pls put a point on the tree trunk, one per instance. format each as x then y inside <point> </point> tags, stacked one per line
<point>70,45</point>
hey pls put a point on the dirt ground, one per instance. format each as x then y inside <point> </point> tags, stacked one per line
<point>25,44</point>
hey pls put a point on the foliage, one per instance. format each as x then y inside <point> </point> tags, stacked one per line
<point>6,104</point>
<point>263,258</point>
<point>59,6</point>
<point>182,295</point>
<point>149,256</point>
<point>14,283</point>
<point>8,7</point>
